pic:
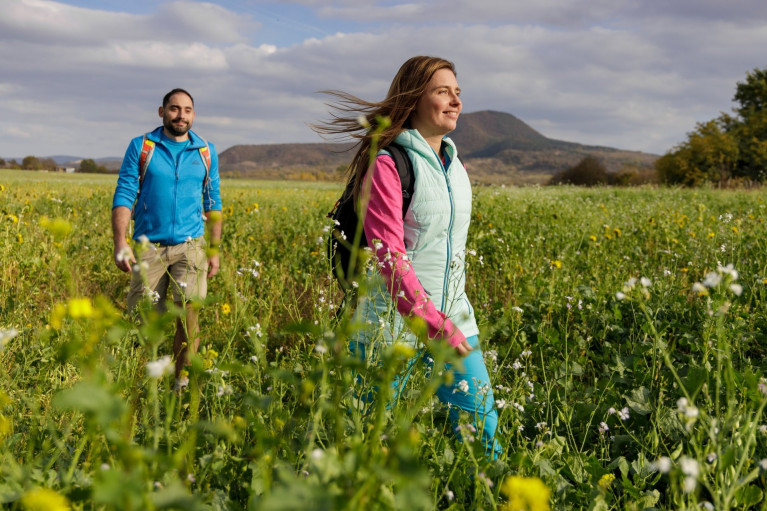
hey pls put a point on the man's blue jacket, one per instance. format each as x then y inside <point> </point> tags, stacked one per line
<point>172,199</point>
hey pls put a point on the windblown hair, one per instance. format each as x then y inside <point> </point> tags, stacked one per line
<point>406,89</point>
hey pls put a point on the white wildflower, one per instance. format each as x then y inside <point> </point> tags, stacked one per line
<point>160,367</point>
<point>698,288</point>
<point>620,296</point>
<point>712,279</point>
<point>623,414</point>
<point>224,390</point>
<point>689,467</point>
<point>124,254</point>
<point>737,289</point>
<point>645,282</point>
<point>663,465</point>
<point>6,335</point>
<point>728,270</point>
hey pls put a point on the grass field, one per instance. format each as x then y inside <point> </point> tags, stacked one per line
<point>625,331</point>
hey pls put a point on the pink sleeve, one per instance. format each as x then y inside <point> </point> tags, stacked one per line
<point>384,231</point>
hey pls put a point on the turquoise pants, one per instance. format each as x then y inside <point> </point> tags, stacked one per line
<point>470,391</point>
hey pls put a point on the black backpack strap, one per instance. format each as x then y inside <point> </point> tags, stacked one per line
<point>405,171</point>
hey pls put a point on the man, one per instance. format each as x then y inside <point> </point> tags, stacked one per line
<point>168,205</point>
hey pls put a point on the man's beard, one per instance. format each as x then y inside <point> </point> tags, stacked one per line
<point>175,130</point>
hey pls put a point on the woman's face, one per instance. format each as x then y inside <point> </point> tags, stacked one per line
<point>436,113</point>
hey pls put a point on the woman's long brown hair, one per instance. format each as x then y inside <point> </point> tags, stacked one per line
<point>406,89</point>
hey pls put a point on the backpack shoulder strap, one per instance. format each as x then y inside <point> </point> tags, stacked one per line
<point>405,171</point>
<point>205,155</point>
<point>147,150</point>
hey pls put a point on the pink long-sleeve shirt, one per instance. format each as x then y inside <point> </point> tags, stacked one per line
<point>384,230</point>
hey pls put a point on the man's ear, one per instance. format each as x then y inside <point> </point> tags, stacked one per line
<point>160,111</point>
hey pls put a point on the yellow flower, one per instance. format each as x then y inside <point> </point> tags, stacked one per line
<point>735,229</point>
<point>403,350</point>
<point>44,499</point>
<point>225,308</point>
<point>593,238</point>
<point>80,308</point>
<point>684,270</point>
<point>57,315</point>
<point>59,227</point>
<point>556,264</point>
<point>606,480</point>
<point>2,188</point>
<point>19,238</point>
<point>12,218</point>
<point>711,234</point>
<point>617,232</point>
<point>5,427</point>
<point>526,494</point>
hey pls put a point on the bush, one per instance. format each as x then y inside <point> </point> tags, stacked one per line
<point>590,171</point>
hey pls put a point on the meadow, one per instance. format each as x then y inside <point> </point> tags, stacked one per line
<point>625,331</point>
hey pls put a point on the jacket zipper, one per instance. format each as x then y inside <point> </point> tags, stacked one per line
<point>446,278</point>
<point>175,198</point>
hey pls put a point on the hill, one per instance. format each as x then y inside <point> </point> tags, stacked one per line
<point>496,148</point>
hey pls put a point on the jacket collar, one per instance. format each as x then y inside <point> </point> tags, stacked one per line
<point>196,141</point>
<point>412,139</point>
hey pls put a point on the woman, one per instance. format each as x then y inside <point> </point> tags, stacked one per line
<point>420,258</point>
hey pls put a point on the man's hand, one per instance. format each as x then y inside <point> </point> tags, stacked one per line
<point>124,258</point>
<point>213,265</point>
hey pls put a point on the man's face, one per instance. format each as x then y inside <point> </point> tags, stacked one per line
<point>177,115</point>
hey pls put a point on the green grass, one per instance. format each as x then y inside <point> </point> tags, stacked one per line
<point>592,326</point>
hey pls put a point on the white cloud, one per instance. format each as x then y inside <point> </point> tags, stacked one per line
<point>608,72</point>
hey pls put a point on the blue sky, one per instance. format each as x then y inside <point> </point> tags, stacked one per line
<point>82,77</point>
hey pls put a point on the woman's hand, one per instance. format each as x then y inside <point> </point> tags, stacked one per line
<point>464,348</point>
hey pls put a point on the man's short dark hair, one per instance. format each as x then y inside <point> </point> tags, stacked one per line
<point>166,99</point>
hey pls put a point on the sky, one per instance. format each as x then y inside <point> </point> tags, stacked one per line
<point>83,77</point>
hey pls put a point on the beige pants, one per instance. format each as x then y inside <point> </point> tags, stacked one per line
<point>183,268</point>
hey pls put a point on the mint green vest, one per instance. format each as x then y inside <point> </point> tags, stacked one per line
<point>436,226</point>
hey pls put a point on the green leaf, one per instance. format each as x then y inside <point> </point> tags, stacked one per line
<point>94,401</point>
<point>639,401</point>
<point>748,496</point>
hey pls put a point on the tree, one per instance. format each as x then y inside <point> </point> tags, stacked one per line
<point>48,164</point>
<point>90,166</point>
<point>731,146</point>
<point>590,171</point>
<point>709,155</point>
<point>2,163</point>
<point>30,163</point>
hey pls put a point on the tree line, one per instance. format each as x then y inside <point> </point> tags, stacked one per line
<point>730,147</point>
<point>34,163</point>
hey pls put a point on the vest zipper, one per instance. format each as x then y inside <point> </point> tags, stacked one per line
<point>446,278</point>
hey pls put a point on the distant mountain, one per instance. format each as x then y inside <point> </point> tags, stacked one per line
<point>496,147</point>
